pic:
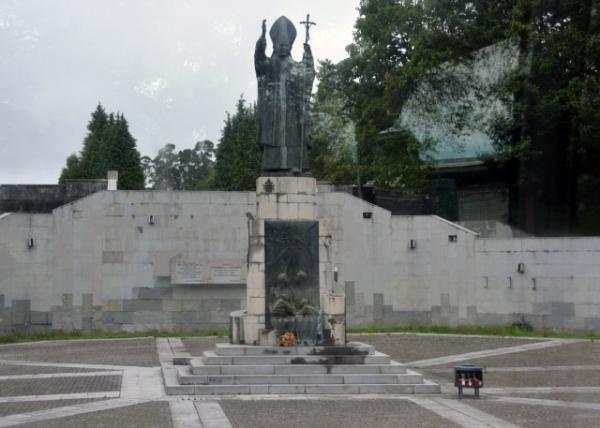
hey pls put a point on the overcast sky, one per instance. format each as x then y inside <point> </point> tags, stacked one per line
<point>173,67</point>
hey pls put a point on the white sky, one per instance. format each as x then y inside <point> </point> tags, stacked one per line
<point>172,67</point>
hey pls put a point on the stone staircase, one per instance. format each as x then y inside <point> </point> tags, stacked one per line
<point>356,368</point>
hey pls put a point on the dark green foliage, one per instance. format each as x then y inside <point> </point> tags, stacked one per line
<point>92,162</point>
<point>187,169</point>
<point>553,139</point>
<point>107,146</point>
<point>399,47</point>
<point>238,162</point>
<point>71,171</point>
<point>120,154</point>
<point>333,153</point>
<point>548,147</point>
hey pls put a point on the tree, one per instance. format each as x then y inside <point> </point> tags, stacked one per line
<point>92,161</point>
<point>71,171</point>
<point>548,145</point>
<point>553,139</point>
<point>120,154</point>
<point>238,162</point>
<point>333,153</point>
<point>162,171</point>
<point>108,145</point>
<point>399,47</point>
<point>188,169</point>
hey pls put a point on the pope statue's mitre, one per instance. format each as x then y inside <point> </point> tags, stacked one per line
<point>283,31</point>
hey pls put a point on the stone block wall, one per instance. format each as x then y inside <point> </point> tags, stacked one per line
<point>99,263</point>
<point>160,308</point>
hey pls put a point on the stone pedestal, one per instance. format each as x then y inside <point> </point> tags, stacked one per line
<point>291,199</point>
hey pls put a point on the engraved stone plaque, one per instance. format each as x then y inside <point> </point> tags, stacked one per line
<point>226,275</point>
<point>292,301</point>
<point>187,273</point>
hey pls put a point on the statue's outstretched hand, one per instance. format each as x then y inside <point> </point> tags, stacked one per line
<point>262,41</point>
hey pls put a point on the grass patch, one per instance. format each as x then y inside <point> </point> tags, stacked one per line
<point>500,330</point>
<point>98,334</point>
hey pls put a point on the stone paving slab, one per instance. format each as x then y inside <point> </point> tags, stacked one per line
<point>33,406</point>
<point>529,416</point>
<point>10,369</point>
<point>132,352</point>
<point>537,376</point>
<point>197,345</point>
<point>547,378</point>
<point>405,348</point>
<point>70,385</point>
<point>582,397</point>
<point>147,415</point>
<point>579,353</point>
<point>381,413</point>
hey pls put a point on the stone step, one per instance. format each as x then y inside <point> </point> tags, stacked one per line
<point>186,378</point>
<point>211,358</point>
<point>425,388</point>
<point>234,350</point>
<point>199,368</point>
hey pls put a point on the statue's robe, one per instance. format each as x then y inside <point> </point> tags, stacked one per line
<point>284,89</point>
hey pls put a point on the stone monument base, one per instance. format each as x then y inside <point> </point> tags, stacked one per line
<point>355,368</point>
<point>286,204</point>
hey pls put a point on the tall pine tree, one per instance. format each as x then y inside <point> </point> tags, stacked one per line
<point>108,145</point>
<point>238,155</point>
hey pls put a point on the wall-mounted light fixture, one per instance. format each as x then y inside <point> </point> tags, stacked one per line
<point>367,214</point>
<point>30,243</point>
<point>510,282</point>
<point>335,274</point>
<point>412,244</point>
<point>534,283</point>
<point>452,238</point>
<point>150,219</point>
<point>521,268</point>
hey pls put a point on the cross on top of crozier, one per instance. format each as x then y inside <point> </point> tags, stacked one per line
<point>307,25</point>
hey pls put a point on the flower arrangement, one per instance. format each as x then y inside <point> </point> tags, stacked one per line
<point>288,339</point>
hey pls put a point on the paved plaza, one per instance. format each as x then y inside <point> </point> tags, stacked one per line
<point>529,383</point>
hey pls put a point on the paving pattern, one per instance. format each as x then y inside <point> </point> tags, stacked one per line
<point>412,347</point>
<point>18,407</point>
<point>125,352</point>
<point>529,383</point>
<point>381,413</point>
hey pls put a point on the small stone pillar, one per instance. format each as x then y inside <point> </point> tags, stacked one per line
<point>113,178</point>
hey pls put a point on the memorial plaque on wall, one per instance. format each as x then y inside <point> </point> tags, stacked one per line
<point>186,272</point>
<point>226,275</point>
<point>292,301</point>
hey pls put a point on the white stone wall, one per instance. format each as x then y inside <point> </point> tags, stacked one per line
<point>97,263</point>
<point>93,256</point>
<point>465,281</point>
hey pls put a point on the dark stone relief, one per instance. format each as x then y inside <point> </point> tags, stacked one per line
<point>292,279</point>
